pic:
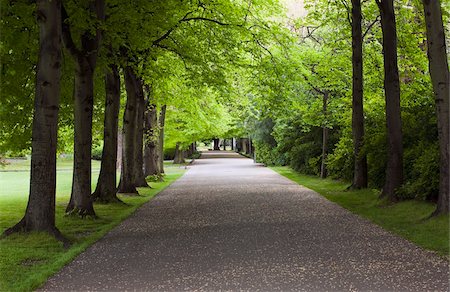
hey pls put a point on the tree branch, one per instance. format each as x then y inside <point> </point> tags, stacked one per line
<point>66,34</point>
<point>206,19</point>
<point>377,19</point>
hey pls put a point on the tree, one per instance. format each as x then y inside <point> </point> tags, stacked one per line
<point>127,175</point>
<point>394,169</point>
<point>40,211</point>
<point>139,176</point>
<point>85,63</point>
<point>438,65</point>
<point>161,124</point>
<point>360,164</point>
<point>179,156</point>
<point>150,136</point>
<point>106,189</point>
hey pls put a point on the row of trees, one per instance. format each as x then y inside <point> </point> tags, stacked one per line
<point>321,127</point>
<point>194,70</point>
<point>171,59</point>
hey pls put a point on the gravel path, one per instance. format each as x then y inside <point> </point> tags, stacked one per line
<point>229,224</point>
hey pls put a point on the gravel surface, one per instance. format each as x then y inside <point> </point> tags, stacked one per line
<point>229,224</point>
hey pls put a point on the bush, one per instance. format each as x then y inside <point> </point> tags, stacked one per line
<point>266,154</point>
<point>422,175</point>
<point>97,152</point>
<point>340,162</point>
<point>305,157</point>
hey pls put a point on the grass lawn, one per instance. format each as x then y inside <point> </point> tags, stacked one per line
<point>407,219</point>
<point>27,261</point>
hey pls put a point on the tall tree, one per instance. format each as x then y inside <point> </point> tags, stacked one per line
<point>107,181</point>
<point>150,137</point>
<point>360,164</point>
<point>127,175</point>
<point>216,144</point>
<point>325,134</point>
<point>179,155</point>
<point>85,63</point>
<point>139,176</point>
<point>40,211</point>
<point>394,170</point>
<point>161,122</point>
<point>438,64</point>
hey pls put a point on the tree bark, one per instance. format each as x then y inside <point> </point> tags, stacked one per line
<point>106,189</point>
<point>162,120</point>
<point>216,144</point>
<point>394,170</point>
<point>40,211</point>
<point>150,150</point>
<point>232,144</point>
<point>127,175</point>
<point>224,144</point>
<point>178,159</point>
<point>438,64</point>
<point>139,176</point>
<point>325,131</point>
<point>360,164</point>
<point>85,62</point>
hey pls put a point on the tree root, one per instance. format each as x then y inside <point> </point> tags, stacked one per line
<point>21,227</point>
<point>81,213</point>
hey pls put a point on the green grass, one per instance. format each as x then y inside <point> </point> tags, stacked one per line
<point>26,261</point>
<point>407,219</point>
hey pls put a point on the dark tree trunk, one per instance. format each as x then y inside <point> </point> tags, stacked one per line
<point>225,144</point>
<point>325,130</point>
<point>106,189</point>
<point>40,211</point>
<point>193,149</point>
<point>360,166</point>
<point>85,62</point>
<point>150,150</point>
<point>438,64</point>
<point>178,159</point>
<point>139,176</point>
<point>80,201</point>
<point>162,120</point>
<point>216,144</point>
<point>127,174</point>
<point>394,170</point>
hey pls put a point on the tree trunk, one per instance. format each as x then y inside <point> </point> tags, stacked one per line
<point>360,164</point>
<point>394,170</point>
<point>80,200</point>
<point>224,144</point>
<point>216,144</point>
<point>139,176</point>
<point>119,149</point>
<point>85,62</point>
<point>178,159</point>
<point>127,174</point>
<point>150,150</point>
<point>438,64</point>
<point>106,189</point>
<point>232,144</point>
<point>162,119</point>
<point>323,166</point>
<point>40,211</point>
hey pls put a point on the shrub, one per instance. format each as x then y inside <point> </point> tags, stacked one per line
<point>97,152</point>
